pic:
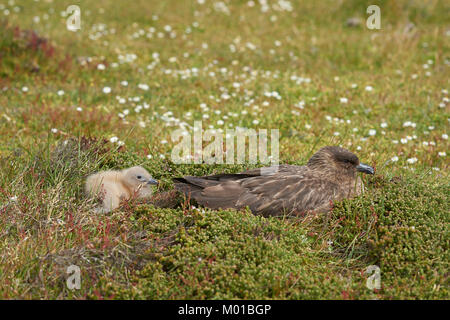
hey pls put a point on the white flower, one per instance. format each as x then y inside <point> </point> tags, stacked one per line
<point>383,125</point>
<point>25,89</point>
<point>106,90</point>
<point>114,139</point>
<point>394,159</point>
<point>143,86</point>
<point>54,130</point>
<point>409,124</point>
<point>445,136</point>
<point>442,154</point>
<point>13,199</point>
<point>372,132</point>
<point>412,160</point>
<point>101,66</point>
<point>403,140</point>
<point>124,83</point>
<point>149,156</point>
<point>79,109</point>
<point>354,86</point>
<point>369,88</point>
<point>343,100</point>
<point>60,92</point>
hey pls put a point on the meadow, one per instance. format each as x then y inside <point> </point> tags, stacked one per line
<point>109,95</point>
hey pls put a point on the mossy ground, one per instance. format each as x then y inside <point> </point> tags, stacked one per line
<point>188,60</point>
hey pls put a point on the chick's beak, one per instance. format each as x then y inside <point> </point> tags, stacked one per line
<point>152,181</point>
<point>365,168</point>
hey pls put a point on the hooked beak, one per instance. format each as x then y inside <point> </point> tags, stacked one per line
<point>152,182</point>
<point>364,168</point>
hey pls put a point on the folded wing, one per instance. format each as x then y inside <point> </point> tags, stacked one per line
<point>285,190</point>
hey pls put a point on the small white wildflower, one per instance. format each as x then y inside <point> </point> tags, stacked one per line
<point>143,86</point>
<point>445,136</point>
<point>369,88</point>
<point>54,130</point>
<point>442,154</point>
<point>106,90</point>
<point>101,66</point>
<point>394,159</point>
<point>114,139</point>
<point>343,100</point>
<point>372,132</point>
<point>412,160</point>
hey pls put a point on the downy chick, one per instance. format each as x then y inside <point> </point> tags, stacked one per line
<point>114,186</point>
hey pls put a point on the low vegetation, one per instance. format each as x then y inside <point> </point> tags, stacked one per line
<point>109,96</point>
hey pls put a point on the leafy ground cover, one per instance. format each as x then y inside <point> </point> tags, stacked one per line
<point>109,96</point>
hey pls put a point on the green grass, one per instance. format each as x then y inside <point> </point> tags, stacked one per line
<point>401,223</point>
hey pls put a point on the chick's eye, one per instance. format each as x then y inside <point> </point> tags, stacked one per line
<point>139,177</point>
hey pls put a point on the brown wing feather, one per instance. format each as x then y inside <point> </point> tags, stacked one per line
<point>290,189</point>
